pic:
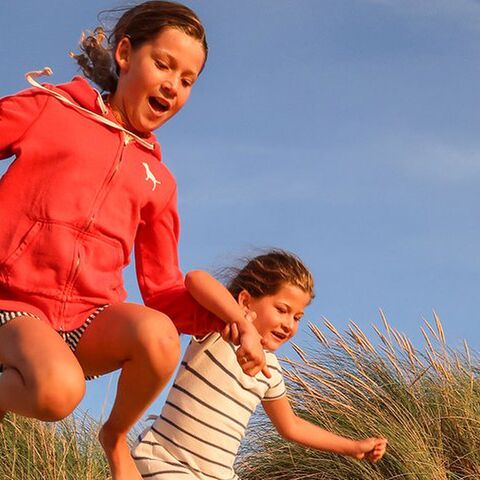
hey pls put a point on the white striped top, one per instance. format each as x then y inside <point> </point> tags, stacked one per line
<point>208,408</point>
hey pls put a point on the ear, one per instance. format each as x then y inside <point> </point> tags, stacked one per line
<point>123,53</point>
<point>244,299</point>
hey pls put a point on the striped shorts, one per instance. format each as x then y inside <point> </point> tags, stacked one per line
<point>70,338</point>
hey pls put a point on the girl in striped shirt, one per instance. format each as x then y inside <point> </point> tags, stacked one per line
<point>203,421</point>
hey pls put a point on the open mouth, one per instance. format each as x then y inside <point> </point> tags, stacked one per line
<point>280,336</point>
<point>158,104</point>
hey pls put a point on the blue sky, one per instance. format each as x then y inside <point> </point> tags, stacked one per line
<point>343,130</point>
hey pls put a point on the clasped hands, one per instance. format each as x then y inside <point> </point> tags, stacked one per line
<point>250,353</point>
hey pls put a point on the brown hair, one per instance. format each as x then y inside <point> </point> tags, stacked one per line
<point>265,274</point>
<point>140,24</point>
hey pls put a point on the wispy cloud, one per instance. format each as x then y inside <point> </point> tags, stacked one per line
<point>436,160</point>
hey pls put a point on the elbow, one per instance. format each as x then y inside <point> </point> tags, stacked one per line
<point>194,278</point>
<point>191,277</point>
<point>287,432</point>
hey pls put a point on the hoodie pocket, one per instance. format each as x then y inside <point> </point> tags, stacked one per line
<point>29,236</point>
<point>43,260</point>
<point>60,261</point>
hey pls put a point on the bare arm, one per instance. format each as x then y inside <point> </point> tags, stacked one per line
<point>305,433</point>
<point>213,296</point>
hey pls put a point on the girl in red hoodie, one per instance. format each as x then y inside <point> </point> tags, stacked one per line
<point>87,185</point>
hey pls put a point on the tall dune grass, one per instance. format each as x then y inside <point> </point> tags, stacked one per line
<point>425,401</point>
<point>67,450</point>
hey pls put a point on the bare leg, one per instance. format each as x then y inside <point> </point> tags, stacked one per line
<point>144,344</point>
<point>41,378</point>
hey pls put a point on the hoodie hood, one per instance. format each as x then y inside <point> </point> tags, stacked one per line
<point>80,91</point>
<point>81,95</point>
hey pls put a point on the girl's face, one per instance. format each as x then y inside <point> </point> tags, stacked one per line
<point>155,78</point>
<point>278,315</point>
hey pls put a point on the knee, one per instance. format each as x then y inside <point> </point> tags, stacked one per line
<point>58,392</point>
<point>157,343</point>
<point>164,350</point>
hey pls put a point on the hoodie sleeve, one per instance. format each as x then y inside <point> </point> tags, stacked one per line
<point>17,114</point>
<point>159,277</point>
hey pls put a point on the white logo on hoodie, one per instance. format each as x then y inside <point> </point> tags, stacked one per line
<point>150,176</point>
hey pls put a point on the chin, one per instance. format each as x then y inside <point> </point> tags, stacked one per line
<point>272,346</point>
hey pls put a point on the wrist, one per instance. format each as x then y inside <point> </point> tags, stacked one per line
<point>245,324</point>
<point>351,447</point>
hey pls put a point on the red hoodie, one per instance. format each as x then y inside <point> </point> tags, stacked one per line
<point>79,195</point>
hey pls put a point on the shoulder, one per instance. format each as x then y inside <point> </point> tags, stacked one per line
<point>167,176</point>
<point>273,363</point>
<point>32,99</point>
<point>27,99</point>
<point>276,383</point>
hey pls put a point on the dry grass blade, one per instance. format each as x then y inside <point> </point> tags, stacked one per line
<point>438,324</point>
<point>361,338</point>
<point>384,320</point>
<point>432,330</point>
<point>386,342</point>
<point>318,333</point>
<point>330,326</point>
<point>299,352</point>
<point>429,343</point>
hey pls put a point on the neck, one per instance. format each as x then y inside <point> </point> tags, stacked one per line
<point>116,110</point>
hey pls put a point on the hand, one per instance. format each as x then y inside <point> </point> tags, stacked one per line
<point>231,334</point>
<point>371,449</point>
<point>250,354</point>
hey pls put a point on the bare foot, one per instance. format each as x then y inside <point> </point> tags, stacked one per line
<point>118,455</point>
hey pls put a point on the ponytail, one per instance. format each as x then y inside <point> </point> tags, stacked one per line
<point>96,60</point>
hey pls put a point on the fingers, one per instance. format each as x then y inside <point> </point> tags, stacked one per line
<point>251,365</point>
<point>230,333</point>
<point>378,450</point>
<point>251,368</point>
<point>225,333</point>
<point>235,335</point>
<point>266,372</point>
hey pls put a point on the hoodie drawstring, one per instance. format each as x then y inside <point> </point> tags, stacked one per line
<point>48,71</point>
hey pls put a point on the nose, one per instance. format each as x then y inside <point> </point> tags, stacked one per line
<point>288,324</point>
<point>169,88</point>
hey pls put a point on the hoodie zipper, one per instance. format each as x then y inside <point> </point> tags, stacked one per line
<point>113,174</point>
<point>69,287</point>
<point>101,197</point>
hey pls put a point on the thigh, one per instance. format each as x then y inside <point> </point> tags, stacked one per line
<point>36,350</point>
<point>115,334</point>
